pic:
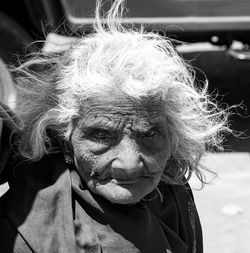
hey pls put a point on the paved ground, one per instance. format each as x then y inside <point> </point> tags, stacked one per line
<point>224,205</point>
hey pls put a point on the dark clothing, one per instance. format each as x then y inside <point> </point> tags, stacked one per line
<point>49,209</point>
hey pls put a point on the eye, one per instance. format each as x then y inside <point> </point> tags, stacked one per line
<point>101,135</point>
<point>150,133</point>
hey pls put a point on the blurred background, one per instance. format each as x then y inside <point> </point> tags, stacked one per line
<point>214,36</point>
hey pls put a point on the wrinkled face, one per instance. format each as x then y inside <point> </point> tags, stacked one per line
<point>121,147</point>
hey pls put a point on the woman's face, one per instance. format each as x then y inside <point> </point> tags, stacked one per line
<point>121,147</point>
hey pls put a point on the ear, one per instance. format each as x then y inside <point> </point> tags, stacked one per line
<point>67,150</point>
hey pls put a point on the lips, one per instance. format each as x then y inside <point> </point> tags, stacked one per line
<point>122,181</point>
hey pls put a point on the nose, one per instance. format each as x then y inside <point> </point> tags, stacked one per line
<point>128,161</point>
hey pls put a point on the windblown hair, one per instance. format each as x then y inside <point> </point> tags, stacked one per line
<point>54,87</point>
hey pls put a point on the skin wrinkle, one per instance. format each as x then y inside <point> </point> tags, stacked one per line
<point>101,102</point>
<point>137,125</point>
<point>125,164</point>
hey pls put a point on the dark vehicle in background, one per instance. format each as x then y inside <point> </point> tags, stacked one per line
<point>216,35</point>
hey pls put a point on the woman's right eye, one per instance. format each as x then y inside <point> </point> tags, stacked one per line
<point>102,136</point>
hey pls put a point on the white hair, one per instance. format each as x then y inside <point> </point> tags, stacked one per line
<point>55,86</point>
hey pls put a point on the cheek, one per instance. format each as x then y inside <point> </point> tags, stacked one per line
<point>158,161</point>
<point>157,154</point>
<point>84,159</point>
<point>87,161</point>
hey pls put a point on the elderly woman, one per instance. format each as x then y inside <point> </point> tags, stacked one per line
<point>110,132</point>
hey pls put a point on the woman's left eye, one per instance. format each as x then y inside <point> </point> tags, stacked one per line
<point>150,133</point>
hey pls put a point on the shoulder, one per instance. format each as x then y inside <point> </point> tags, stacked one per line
<point>10,240</point>
<point>181,199</point>
<point>177,210</point>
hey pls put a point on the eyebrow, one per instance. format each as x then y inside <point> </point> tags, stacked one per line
<point>147,127</point>
<point>99,123</point>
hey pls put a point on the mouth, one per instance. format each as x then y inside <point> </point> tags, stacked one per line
<point>125,181</point>
<point>121,181</point>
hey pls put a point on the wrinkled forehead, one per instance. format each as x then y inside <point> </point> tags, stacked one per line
<point>115,104</point>
<point>115,100</point>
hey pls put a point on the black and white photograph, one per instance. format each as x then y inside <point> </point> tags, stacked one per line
<point>124,126</point>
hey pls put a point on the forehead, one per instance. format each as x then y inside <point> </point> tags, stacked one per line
<point>116,107</point>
